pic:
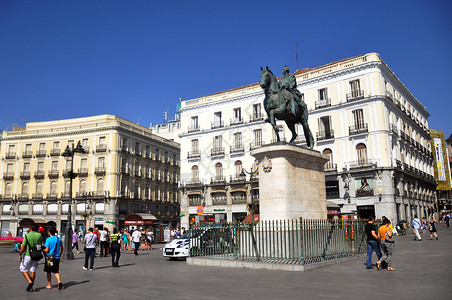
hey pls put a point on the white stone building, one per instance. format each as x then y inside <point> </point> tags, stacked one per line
<point>375,131</point>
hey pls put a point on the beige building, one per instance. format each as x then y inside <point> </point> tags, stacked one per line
<point>125,170</point>
<point>374,130</point>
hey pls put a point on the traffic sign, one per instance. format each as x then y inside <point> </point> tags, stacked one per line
<point>200,210</point>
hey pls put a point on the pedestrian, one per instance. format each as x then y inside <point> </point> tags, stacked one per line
<point>143,240</point>
<point>149,239</point>
<point>183,230</point>
<point>447,220</point>
<point>115,249</point>
<point>126,238</point>
<point>90,252</point>
<point>372,241</point>
<point>387,245</point>
<point>432,228</point>
<point>28,266</point>
<point>424,226</point>
<point>103,242</point>
<point>53,250</point>
<point>416,224</point>
<point>136,235</point>
<point>75,240</point>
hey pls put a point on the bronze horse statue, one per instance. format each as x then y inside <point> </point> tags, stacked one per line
<point>275,104</point>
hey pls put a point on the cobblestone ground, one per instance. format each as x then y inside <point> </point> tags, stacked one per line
<point>424,271</point>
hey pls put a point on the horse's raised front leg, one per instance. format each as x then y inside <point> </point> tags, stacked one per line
<point>292,129</point>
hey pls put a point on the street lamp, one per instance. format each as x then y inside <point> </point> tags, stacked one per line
<point>251,173</point>
<point>69,153</point>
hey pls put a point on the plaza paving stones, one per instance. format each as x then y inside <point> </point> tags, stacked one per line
<point>424,271</point>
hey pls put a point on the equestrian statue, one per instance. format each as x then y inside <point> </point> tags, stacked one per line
<point>283,101</point>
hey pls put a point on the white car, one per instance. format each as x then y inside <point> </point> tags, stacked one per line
<point>178,248</point>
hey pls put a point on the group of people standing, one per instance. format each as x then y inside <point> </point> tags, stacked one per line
<point>133,241</point>
<point>51,245</point>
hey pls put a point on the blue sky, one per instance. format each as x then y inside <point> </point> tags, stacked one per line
<point>135,59</point>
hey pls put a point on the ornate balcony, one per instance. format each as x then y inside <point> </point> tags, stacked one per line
<point>256,118</point>
<point>194,128</point>
<point>100,171</point>
<point>330,167</point>
<point>8,176</point>
<point>236,121</point>
<point>27,154</point>
<point>323,103</point>
<point>194,154</point>
<point>82,172</point>
<point>217,151</point>
<point>355,95</point>
<point>54,173</point>
<point>237,149</point>
<point>10,155</point>
<point>101,148</point>
<point>25,175</point>
<point>360,164</point>
<point>218,124</point>
<point>55,152</point>
<point>39,174</point>
<point>325,135</point>
<point>358,129</point>
<point>41,153</point>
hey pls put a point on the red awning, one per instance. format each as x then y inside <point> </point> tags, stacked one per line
<point>248,218</point>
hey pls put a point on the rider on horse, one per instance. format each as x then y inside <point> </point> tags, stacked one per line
<point>292,96</point>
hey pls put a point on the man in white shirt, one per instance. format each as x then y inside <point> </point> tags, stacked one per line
<point>136,239</point>
<point>90,252</point>
<point>103,242</point>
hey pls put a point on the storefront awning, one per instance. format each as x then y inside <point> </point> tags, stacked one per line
<point>194,193</point>
<point>238,190</point>
<point>331,204</point>
<point>248,218</point>
<point>218,192</point>
<point>139,219</point>
<point>40,221</point>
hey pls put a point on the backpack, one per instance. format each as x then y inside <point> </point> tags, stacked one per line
<point>35,254</point>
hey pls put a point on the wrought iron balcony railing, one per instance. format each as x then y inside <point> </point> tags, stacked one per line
<point>323,103</point>
<point>325,135</point>
<point>358,129</point>
<point>355,95</point>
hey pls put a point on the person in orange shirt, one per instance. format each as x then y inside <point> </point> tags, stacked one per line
<point>386,244</point>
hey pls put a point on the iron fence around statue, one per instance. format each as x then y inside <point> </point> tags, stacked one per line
<point>290,241</point>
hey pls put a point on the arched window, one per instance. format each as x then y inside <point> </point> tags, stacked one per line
<point>53,188</point>
<point>361,152</point>
<point>8,190</point>
<point>67,186</point>
<point>100,187</point>
<point>329,165</point>
<point>24,190</point>
<point>238,168</point>
<point>194,174</point>
<point>218,172</point>
<point>39,189</point>
<point>82,187</point>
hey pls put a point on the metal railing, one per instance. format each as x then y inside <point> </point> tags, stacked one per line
<point>294,241</point>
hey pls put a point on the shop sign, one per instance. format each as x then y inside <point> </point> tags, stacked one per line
<point>98,218</point>
<point>146,222</point>
<point>98,222</point>
<point>219,209</point>
<point>199,210</point>
<point>332,212</point>
<point>110,222</point>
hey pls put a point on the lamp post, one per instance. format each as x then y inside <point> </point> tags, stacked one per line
<point>69,153</point>
<point>251,173</point>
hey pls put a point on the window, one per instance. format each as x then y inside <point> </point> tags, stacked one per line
<point>218,172</point>
<point>85,144</point>
<point>56,146</point>
<point>358,118</point>
<point>194,123</point>
<point>100,187</point>
<point>137,148</point>
<point>9,168</point>
<point>194,174</point>
<point>39,189</point>
<point>124,188</point>
<point>217,142</point>
<point>24,190</point>
<point>237,114</point>
<point>102,141</point>
<point>217,120</point>
<point>8,190</point>
<point>355,88</point>
<point>71,144</point>
<point>323,95</point>
<point>194,146</point>
<point>82,187</point>
<point>101,163</point>
<point>54,165</point>
<point>84,164</point>
<point>157,154</point>
<point>28,150</point>
<point>325,131</point>
<point>257,134</point>
<point>53,188</point>
<point>166,156</point>
<point>361,152</point>
<point>256,111</point>
<point>136,191</point>
<point>238,168</point>
<point>148,151</point>
<point>68,165</point>
<point>329,165</point>
<point>11,150</point>
<point>40,167</point>
<point>67,187</point>
<point>238,141</point>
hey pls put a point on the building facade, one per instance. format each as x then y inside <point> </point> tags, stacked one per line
<point>125,170</point>
<point>374,130</point>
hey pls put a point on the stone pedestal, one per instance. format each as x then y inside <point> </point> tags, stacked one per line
<point>291,182</point>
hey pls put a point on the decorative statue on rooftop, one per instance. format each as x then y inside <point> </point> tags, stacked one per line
<point>283,101</point>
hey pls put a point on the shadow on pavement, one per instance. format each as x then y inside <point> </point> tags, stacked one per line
<point>108,267</point>
<point>65,285</point>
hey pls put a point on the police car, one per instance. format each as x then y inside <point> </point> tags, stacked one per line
<point>178,248</point>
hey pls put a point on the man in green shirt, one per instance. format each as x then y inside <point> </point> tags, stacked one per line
<point>27,265</point>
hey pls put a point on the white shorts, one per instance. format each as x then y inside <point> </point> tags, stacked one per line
<point>28,265</point>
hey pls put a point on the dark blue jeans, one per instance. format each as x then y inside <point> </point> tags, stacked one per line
<point>372,246</point>
<point>90,253</point>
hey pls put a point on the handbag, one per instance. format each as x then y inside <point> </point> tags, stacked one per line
<point>51,257</point>
<point>35,254</point>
